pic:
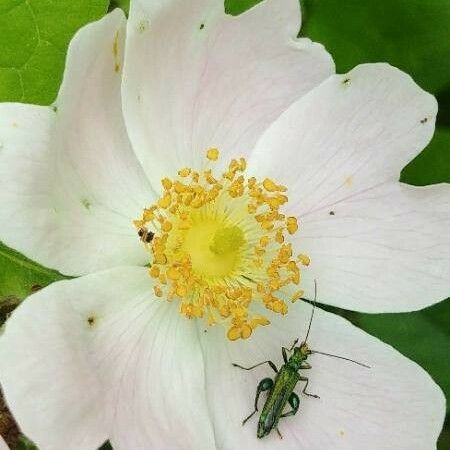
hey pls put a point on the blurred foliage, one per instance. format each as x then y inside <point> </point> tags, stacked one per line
<point>433,164</point>
<point>423,337</point>
<point>410,34</point>
<point>33,42</point>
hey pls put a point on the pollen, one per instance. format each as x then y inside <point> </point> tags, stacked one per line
<point>221,248</point>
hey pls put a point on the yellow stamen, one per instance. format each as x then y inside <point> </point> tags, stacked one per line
<point>220,243</point>
<point>212,154</point>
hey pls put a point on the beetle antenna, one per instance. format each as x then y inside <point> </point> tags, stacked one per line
<point>312,313</point>
<point>341,357</point>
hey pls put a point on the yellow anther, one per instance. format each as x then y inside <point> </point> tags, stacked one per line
<point>209,178</point>
<point>181,291</point>
<point>260,320</point>
<point>274,284</point>
<point>212,154</point>
<point>291,225</point>
<point>180,187</point>
<point>165,201</point>
<point>234,333</point>
<point>148,215</point>
<point>269,185</point>
<point>184,172</point>
<point>267,225</point>
<point>154,271</point>
<point>251,208</point>
<point>304,259</point>
<point>295,278</point>
<point>219,246</point>
<point>166,183</point>
<point>246,331</point>
<point>297,295</point>
<point>166,226</point>
<point>158,291</point>
<point>279,237</point>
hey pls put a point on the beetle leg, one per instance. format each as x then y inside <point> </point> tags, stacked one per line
<point>294,401</point>
<point>305,365</point>
<point>304,388</point>
<point>293,345</point>
<point>264,385</point>
<point>279,433</point>
<point>271,364</point>
<point>283,351</point>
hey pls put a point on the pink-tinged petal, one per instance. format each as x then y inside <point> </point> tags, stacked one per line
<point>383,250</point>
<point>197,78</point>
<point>45,375</point>
<point>351,133</point>
<point>70,185</point>
<point>375,245</point>
<point>149,360</point>
<point>394,404</point>
<point>99,357</point>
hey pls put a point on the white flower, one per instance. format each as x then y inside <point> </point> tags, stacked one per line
<point>100,357</point>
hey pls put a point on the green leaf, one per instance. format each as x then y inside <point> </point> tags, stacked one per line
<point>433,164</point>
<point>20,276</point>
<point>33,43</point>
<point>413,35</point>
<point>421,336</point>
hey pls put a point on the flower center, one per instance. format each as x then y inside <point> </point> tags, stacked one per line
<point>219,247</point>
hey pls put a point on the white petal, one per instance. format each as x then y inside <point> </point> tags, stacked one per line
<point>3,445</point>
<point>45,375</point>
<point>394,404</point>
<point>70,185</point>
<point>197,78</point>
<point>383,250</point>
<point>349,134</point>
<point>150,363</point>
<point>97,357</point>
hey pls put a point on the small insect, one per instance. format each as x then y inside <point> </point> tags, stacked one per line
<point>281,389</point>
<point>145,235</point>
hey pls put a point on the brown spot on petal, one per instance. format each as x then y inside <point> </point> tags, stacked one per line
<point>91,320</point>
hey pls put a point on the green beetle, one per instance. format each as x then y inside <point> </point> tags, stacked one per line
<point>281,389</point>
